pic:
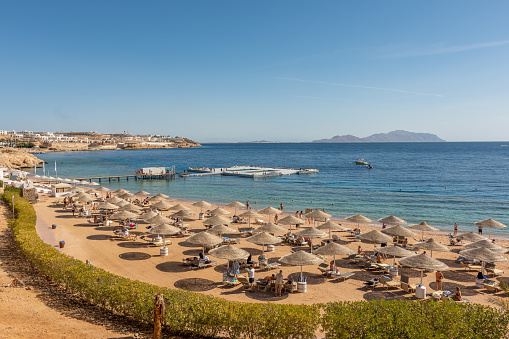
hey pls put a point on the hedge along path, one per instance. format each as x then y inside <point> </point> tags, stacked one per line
<point>211,316</point>
<point>185,311</point>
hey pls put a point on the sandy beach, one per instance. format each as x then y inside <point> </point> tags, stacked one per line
<point>140,261</point>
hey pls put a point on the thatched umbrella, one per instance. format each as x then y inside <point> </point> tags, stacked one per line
<point>311,233</point>
<point>162,205</point>
<point>130,207</point>
<point>291,220</point>
<point>235,204</point>
<point>374,237</point>
<point>126,195</point>
<point>155,198</point>
<point>483,254</point>
<point>334,249</point>
<point>220,229</point>
<point>263,239</point>
<point>107,206</point>
<point>249,215</point>
<point>204,239</point>
<point>392,220</point>
<point>318,215</point>
<point>202,204</point>
<point>395,251</point>
<point>179,207</point>
<point>300,258</point>
<point>121,203</point>
<point>358,218</point>
<point>216,220</point>
<point>162,196</point>
<point>123,215</point>
<point>423,227</point>
<point>423,262</point>
<point>269,211</point>
<point>164,229</point>
<point>229,252</point>
<point>114,200</point>
<point>470,236</point>
<point>486,244</point>
<point>219,211</point>
<point>182,214</point>
<point>84,197</point>
<point>142,194</point>
<point>271,228</point>
<point>490,223</point>
<point>148,215</point>
<point>159,219</point>
<point>120,191</point>
<point>102,189</point>
<point>432,245</point>
<point>398,231</point>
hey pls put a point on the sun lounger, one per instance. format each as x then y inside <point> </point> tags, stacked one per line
<point>389,283</point>
<point>463,300</point>
<point>123,236</point>
<point>205,264</point>
<point>469,267</point>
<point>494,271</point>
<point>343,276</point>
<point>268,267</point>
<point>371,284</point>
<point>407,287</point>
<point>231,281</point>
<point>290,289</point>
<point>245,283</point>
<point>492,288</point>
<point>325,269</point>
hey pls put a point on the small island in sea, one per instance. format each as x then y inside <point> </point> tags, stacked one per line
<point>394,136</point>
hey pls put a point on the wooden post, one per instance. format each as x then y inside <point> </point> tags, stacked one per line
<point>159,311</point>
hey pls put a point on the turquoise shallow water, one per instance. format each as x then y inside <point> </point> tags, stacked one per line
<point>441,183</point>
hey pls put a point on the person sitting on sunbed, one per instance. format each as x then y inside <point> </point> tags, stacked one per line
<point>456,295</point>
<point>404,244</point>
<point>360,251</point>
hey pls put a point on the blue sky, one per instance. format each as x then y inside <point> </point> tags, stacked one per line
<point>253,70</point>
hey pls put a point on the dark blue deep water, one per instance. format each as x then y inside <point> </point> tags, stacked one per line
<point>441,183</point>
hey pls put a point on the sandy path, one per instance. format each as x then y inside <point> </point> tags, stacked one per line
<point>31,312</point>
<point>136,260</point>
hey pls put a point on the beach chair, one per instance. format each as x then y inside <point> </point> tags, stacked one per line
<point>345,275</point>
<point>494,271</point>
<point>268,267</point>
<point>231,281</point>
<point>245,282</point>
<point>335,238</point>
<point>204,264</point>
<point>290,289</point>
<point>325,269</point>
<point>470,267</point>
<point>492,288</point>
<point>371,284</point>
<point>407,288</point>
<point>389,283</point>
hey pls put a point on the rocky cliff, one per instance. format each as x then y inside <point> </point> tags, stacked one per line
<point>15,158</point>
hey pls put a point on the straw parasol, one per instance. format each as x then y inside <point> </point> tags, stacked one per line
<point>291,220</point>
<point>155,198</point>
<point>269,211</point>
<point>159,219</point>
<point>432,245</point>
<point>202,204</point>
<point>358,218</point>
<point>395,251</point>
<point>107,206</point>
<point>301,258</point>
<point>334,249</point>
<point>182,214</point>
<point>374,237</point>
<point>142,194</point>
<point>179,207</point>
<point>398,231</point>
<point>318,215</point>
<point>216,220</point>
<point>130,207</point>
<point>102,189</point>
<point>235,204</point>
<point>83,197</point>
<point>121,203</point>
<point>271,228</point>
<point>162,196</point>
<point>91,191</point>
<point>470,236</point>
<point>486,244</point>
<point>120,191</point>
<point>204,239</point>
<point>114,200</point>
<point>220,229</point>
<point>423,227</point>
<point>263,239</point>
<point>127,195</point>
<point>249,215</point>
<point>123,215</point>
<point>219,211</point>
<point>423,262</point>
<point>164,229</point>
<point>92,183</point>
<point>229,252</point>
<point>483,254</point>
<point>162,205</point>
<point>148,215</point>
<point>490,223</point>
<point>392,220</point>
<point>311,233</point>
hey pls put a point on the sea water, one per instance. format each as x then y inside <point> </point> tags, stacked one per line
<point>440,183</point>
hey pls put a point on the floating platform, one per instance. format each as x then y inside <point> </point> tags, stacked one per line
<point>247,171</point>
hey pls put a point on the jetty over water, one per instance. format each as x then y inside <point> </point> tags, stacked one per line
<point>146,173</point>
<point>247,171</point>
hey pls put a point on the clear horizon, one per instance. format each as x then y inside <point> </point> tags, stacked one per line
<point>286,71</point>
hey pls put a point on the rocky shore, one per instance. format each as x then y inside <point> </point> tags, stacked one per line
<point>16,159</point>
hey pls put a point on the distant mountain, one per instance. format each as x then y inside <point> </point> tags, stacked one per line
<point>394,136</point>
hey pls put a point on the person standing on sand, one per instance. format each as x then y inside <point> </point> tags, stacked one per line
<point>480,229</point>
<point>279,283</point>
<point>251,278</point>
<point>247,205</point>
<point>275,218</point>
<point>455,229</point>
<point>439,276</point>
<point>281,206</point>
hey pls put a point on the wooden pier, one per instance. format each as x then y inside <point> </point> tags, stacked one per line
<point>149,173</point>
